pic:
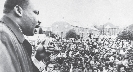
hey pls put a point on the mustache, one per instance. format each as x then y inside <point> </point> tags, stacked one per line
<point>38,24</point>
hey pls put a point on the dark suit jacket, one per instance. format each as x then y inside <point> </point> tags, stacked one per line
<point>15,51</point>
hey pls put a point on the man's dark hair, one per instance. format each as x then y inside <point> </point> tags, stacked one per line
<point>10,4</point>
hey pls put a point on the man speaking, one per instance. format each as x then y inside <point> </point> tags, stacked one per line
<point>15,52</point>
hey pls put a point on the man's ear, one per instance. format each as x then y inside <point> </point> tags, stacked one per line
<point>18,11</point>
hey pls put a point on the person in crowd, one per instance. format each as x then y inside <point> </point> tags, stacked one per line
<point>50,66</point>
<point>122,68</point>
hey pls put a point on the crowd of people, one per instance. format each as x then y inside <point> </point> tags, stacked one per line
<point>90,55</point>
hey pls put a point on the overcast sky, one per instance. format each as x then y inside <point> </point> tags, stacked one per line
<point>85,13</point>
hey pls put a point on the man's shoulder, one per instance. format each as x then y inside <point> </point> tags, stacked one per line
<point>4,29</point>
<point>5,33</point>
<point>1,25</point>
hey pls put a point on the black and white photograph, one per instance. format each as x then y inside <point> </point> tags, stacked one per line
<point>66,35</point>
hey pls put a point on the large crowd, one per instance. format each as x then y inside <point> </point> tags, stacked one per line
<point>88,55</point>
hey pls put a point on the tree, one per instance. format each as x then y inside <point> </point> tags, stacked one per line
<point>50,34</point>
<point>72,34</point>
<point>127,33</point>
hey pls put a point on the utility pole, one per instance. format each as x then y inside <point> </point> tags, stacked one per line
<point>103,29</point>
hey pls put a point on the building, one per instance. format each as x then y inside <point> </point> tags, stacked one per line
<point>61,28</point>
<point>109,29</point>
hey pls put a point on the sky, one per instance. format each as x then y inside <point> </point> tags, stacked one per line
<point>84,13</point>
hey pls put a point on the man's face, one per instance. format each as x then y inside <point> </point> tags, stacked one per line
<point>29,19</point>
<point>95,70</point>
<point>122,69</point>
<point>90,70</point>
<point>50,67</point>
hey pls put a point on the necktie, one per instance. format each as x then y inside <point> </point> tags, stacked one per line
<point>28,47</point>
